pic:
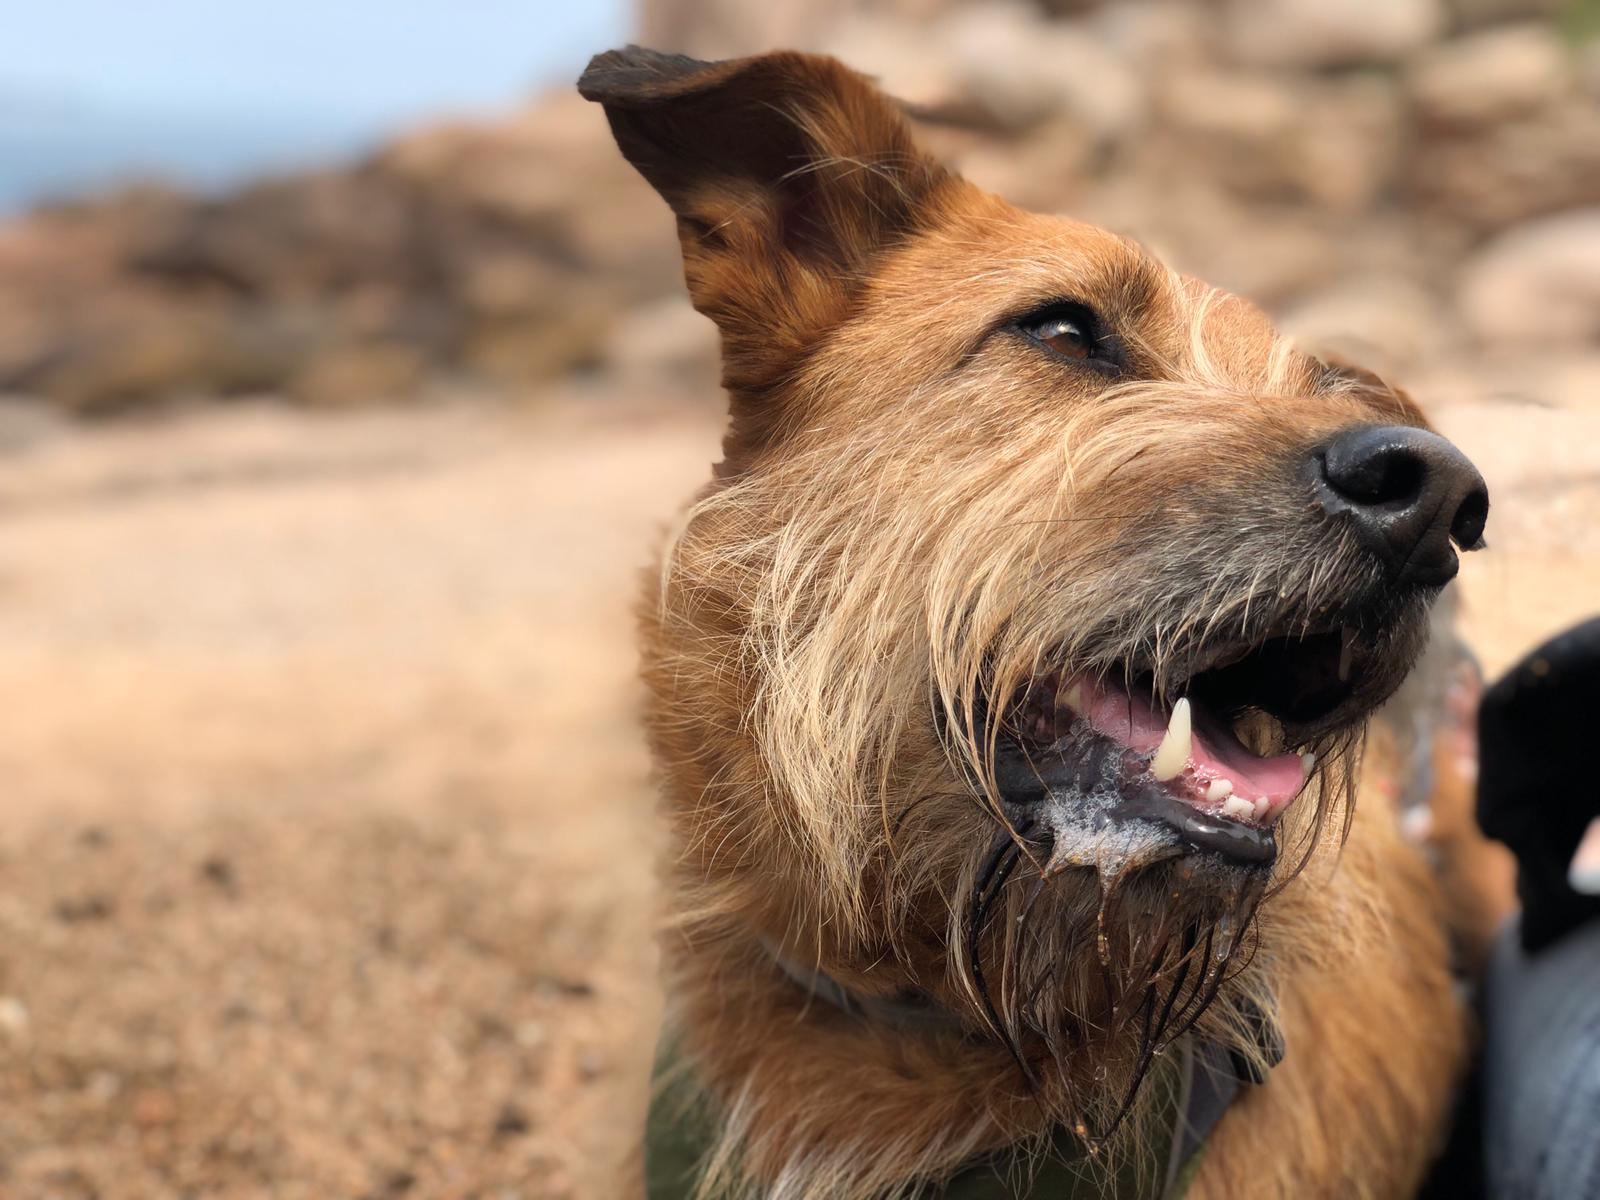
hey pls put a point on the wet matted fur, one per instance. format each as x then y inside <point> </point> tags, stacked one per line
<point>926,517</point>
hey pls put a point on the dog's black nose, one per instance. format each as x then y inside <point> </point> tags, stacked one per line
<point>1408,494</point>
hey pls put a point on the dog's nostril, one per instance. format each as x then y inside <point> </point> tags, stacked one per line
<point>1408,494</point>
<point>1388,475</point>
<point>1466,530</point>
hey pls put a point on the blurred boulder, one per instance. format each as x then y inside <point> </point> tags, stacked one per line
<point>557,341</point>
<point>728,28</point>
<point>1024,69</point>
<point>171,352</point>
<point>1048,170</point>
<point>910,62</point>
<point>1494,75</point>
<point>1319,33</point>
<point>1486,178</point>
<point>1587,57</point>
<point>1154,34</point>
<point>351,374</point>
<point>1470,13</point>
<point>24,423</point>
<point>1336,162</point>
<point>1387,323</point>
<point>1003,66</point>
<point>1333,142</point>
<point>1537,284</point>
<point>500,249</point>
<point>665,339</point>
<point>1535,376</point>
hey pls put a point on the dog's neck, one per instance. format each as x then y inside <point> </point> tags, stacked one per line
<point>874,1042</point>
<point>909,1011</point>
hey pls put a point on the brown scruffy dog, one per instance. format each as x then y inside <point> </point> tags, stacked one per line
<point>1008,682</point>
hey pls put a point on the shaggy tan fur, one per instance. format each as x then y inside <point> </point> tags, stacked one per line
<point>918,513</point>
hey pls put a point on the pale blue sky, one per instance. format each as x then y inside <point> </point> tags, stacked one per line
<point>209,90</point>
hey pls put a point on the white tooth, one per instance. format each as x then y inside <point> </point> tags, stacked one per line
<point>1073,698</point>
<point>1219,789</point>
<point>1239,809</point>
<point>1307,761</point>
<point>1346,653</point>
<point>1261,807</point>
<point>1172,755</point>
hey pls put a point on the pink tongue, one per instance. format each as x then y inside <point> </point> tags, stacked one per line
<point>1215,752</point>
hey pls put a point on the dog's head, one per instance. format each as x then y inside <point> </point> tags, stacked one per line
<point>1028,629</point>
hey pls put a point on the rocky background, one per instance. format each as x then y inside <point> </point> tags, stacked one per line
<point>1411,180</point>
<point>325,867</point>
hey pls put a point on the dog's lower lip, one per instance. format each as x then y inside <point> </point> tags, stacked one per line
<point>1204,831</point>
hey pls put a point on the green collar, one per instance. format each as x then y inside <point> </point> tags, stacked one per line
<point>1193,1087</point>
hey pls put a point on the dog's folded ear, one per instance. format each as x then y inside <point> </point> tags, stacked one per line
<point>788,173</point>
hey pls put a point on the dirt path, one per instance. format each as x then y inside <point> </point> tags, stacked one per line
<point>325,866</point>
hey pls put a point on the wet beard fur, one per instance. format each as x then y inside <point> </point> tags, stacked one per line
<point>1088,975</point>
<point>1100,989</point>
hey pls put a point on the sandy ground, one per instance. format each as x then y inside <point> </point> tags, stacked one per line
<point>325,868</point>
<point>326,861</point>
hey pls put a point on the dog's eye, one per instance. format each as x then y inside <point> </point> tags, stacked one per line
<point>1069,330</point>
<point>1065,336</point>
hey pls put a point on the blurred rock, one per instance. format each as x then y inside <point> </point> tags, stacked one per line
<point>1071,8</point>
<point>460,248</point>
<point>356,374</point>
<point>1537,377</point>
<point>1587,57</point>
<point>1002,66</point>
<point>1317,33</point>
<point>561,340</point>
<point>725,28</point>
<point>173,353</point>
<point>1335,143</point>
<point>1287,149</point>
<point>910,62</point>
<point>1507,129</point>
<point>1470,13</point>
<point>1024,69</point>
<point>664,339</point>
<point>1046,170</point>
<point>1491,76</point>
<point>1487,178</point>
<point>24,423</point>
<point>1538,284</point>
<point>1155,34</point>
<point>1388,324</point>
<point>14,1022</point>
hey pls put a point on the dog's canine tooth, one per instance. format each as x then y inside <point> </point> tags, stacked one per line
<point>1308,760</point>
<point>1173,753</point>
<point>1074,698</point>
<point>1239,808</point>
<point>1261,807</point>
<point>1219,789</point>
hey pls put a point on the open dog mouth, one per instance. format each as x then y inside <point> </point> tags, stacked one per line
<point>1215,757</point>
